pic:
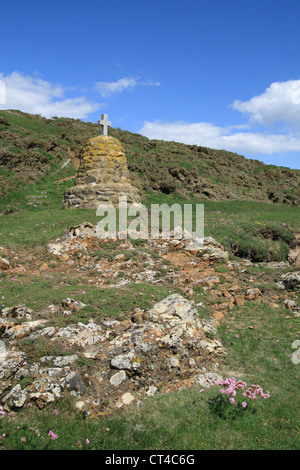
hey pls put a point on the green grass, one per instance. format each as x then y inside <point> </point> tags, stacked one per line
<point>186,420</point>
<point>262,351</point>
<point>237,225</point>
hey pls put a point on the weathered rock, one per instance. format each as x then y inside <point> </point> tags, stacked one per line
<point>239,300</point>
<point>207,379</point>
<point>74,382</point>
<point>10,361</point>
<point>63,361</point>
<point>151,390</point>
<point>166,347</point>
<point>4,264</point>
<point>20,312</point>
<point>16,397</point>
<point>72,303</point>
<point>42,399</point>
<point>81,334</point>
<point>127,398</point>
<point>118,378</point>
<point>291,281</point>
<point>125,361</point>
<point>253,294</point>
<point>26,371</point>
<point>20,330</point>
<point>290,304</point>
<point>3,352</point>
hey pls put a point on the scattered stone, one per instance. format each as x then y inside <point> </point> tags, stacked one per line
<point>73,304</point>
<point>73,382</point>
<point>43,267</point>
<point>239,300</point>
<point>80,405</point>
<point>20,312</point>
<point>125,361</point>
<point>296,354</point>
<point>127,398</point>
<point>253,294</point>
<point>81,334</point>
<point>10,362</point>
<point>290,304</point>
<point>4,264</point>
<point>64,361</point>
<point>118,378</point>
<point>273,305</point>
<point>42,399</point>
<point>16,397</point>
<point>20,330</point>
<point>64,257</point>
<point>151,390</point>
<point>207,379</point>
<point>291,281</point>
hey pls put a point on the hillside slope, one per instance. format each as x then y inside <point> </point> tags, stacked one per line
<point>32,146</point>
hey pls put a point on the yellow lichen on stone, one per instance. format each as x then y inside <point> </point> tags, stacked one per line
<point>102,175</point>
<point>103,159</point>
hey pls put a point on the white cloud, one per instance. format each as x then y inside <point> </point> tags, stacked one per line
<point>36,96</point>
<point>109,88</point>
<point>208,135</point>
<point>279,103</point>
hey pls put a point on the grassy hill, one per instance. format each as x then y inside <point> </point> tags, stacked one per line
<point>32,147</point>
<point>251,209</point>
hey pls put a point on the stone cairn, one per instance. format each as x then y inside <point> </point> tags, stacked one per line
<point>102,176</point>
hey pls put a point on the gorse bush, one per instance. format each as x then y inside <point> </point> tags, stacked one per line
<point>260,250</point>
<point>278,232</point>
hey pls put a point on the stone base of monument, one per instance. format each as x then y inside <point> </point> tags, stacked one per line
<point>90,196</point>
<point>102,177</point>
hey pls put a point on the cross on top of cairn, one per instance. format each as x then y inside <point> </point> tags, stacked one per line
<point>104,123</point>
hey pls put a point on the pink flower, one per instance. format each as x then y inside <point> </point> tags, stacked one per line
<point>52,435</point>
<point>244,404</point>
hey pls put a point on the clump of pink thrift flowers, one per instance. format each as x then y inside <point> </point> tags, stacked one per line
<point>52,435</point>
<point>231,387</point>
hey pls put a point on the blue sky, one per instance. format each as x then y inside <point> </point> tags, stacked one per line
<point>219,73</point>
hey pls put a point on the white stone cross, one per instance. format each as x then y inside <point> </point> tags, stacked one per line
<point>104,123</point>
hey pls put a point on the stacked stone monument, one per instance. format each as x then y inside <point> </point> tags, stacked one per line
<point>102,176</point>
